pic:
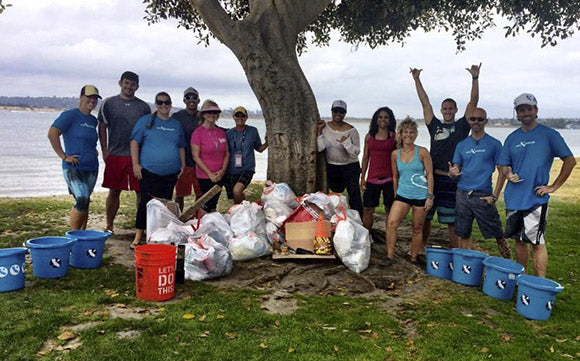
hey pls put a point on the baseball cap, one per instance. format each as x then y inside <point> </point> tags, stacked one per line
<point>525,98</point>
<point>129,75</point>
<point>338,104</point>
<point>241,109</point>
<point>90,90</point>
<point>191,90</point>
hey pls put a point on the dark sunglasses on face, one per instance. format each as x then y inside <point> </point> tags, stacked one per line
<point>240,115</point>
<point>161,102</point>
<point>190,97</point>
<point>215,112</point>
<point>477,119</point>
<point>339,111</point>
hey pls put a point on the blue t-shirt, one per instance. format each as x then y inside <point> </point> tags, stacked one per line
<point>243,142</point>
<point>79,132</point>
<point>530,154</point>
<point>478,159</point>
<point>412,181</point>
<point>159,145</point>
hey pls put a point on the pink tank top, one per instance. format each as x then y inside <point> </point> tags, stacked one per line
<point>380,159</point>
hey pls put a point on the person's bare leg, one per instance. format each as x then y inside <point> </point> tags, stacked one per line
<point>139,234</point>
<point>522,254</point>
<point>368,220</point>
<point>239,193</point>
<point>453,240</point>
<point>464,243</point>
<point>111,208</point>
<point>504,247</point>
<point>426,230</point>
<point>78,220</point>
<point>396,215</point>
<point>540,259</point>
<point>417,238</point>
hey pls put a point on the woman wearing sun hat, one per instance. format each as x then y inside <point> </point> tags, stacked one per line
<point>209,146</point>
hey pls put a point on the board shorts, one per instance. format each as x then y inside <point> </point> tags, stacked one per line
<point>119,174</point>
<point>186,182</point>
<point>469,206</point>
<point>444,202</point>
<point>527,225</point>
<point>80,184</point>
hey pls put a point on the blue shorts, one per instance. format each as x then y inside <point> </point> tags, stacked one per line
<point>80,184</point>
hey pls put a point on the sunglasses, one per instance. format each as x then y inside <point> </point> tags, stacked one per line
<point>339,111</point>
<point>161,102</point>
<point>240,115</point>
<point>477,119</point>
<point>190,97</point>
<point>214,112</point>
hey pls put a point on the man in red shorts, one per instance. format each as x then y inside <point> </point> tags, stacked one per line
<point>117,116</point>
<point>189,119</point>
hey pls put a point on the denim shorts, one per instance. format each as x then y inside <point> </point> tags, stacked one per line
<point>80,184</point>
<point>469,206</point>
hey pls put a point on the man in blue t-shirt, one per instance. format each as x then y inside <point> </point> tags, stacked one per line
<point>526,159</point>
<point>80,162</point>
<point>474,162</point>
<point>242,141</point>
<point>445,135</point>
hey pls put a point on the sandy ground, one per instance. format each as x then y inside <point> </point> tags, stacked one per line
<point>314,277</point>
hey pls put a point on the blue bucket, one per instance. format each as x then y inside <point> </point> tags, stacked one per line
<point>500,277</point>
<point>50,256</point>
<point>536,296</point>
<point>87,251</point>
<point>467,266</point>
<point>12,269</point>
<point>439,262</point>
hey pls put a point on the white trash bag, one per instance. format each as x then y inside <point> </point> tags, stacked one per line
<point>206,259</point>
<point>249,246</point>
<point>247,217</point>
<point>158,216</point>
<point>280,192</point>
<point>276,212</point>
<point>214,225</point>
<point>353,245</point>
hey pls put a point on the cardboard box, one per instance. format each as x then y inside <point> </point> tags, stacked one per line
<point>301,234</point>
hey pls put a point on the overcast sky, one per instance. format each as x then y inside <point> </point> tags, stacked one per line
<point>53,47</point>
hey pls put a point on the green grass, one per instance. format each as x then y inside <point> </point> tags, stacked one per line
<point>448,322</point>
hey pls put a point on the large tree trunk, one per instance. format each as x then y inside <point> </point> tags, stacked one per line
<point>265,45</point>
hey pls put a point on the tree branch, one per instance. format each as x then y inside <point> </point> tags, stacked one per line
<point>216,18</point>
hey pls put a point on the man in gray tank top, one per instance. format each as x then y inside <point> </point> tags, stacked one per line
<point>117,116</point>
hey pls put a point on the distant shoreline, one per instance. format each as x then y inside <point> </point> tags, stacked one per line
<point>11,108</point>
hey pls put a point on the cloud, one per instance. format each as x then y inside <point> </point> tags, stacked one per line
<point>55,46</point>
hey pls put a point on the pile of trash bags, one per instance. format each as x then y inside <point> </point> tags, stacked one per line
<point>251,230</point>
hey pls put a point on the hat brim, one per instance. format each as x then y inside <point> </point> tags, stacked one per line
<point>210,109</point>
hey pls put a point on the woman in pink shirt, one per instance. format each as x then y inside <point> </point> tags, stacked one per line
<point>378,146</point>
<point>209,147</point>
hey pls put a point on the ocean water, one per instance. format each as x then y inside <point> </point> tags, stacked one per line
<point>29,167</point>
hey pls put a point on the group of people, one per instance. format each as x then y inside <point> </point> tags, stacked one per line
<point>454,178</point>
<point>155,154</point>
<point>151,154</point>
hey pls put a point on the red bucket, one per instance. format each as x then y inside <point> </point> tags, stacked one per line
<point>155,272</point>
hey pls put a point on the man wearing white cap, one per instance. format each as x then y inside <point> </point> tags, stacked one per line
<point>80,163</point>
<point>526,159</point>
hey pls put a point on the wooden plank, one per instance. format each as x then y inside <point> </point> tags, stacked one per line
<point>302,256</point>
<point>191,211</point>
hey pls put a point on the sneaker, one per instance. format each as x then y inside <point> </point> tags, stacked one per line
<point>504,248</point>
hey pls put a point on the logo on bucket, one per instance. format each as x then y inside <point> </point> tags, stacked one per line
<point>500,284</point>
<point>451,266</point>
<point>434,264</point>
<point>525,300</point>
<point>466,269</point>
<point>549,305</point>
<point>14,270</point>
<point>3,272</point>
<point>55,262</point>
<point>91,253</point>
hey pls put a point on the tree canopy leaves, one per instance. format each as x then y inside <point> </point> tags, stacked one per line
<point>381,22</point>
